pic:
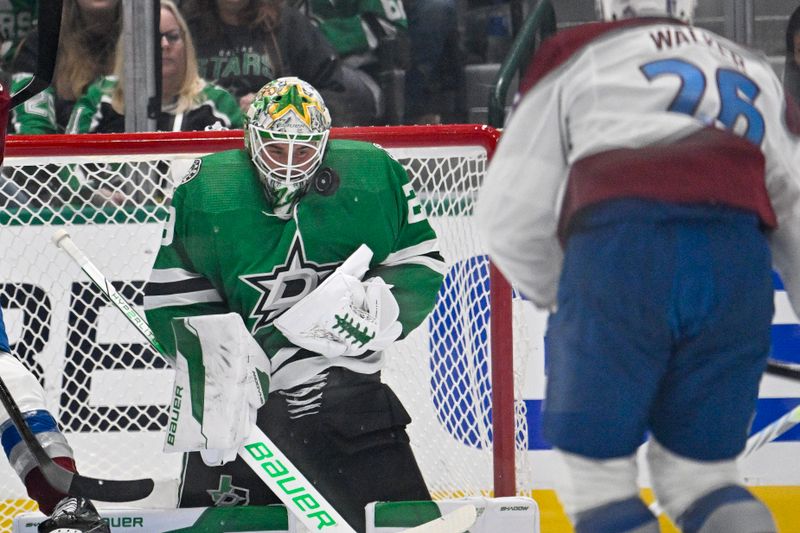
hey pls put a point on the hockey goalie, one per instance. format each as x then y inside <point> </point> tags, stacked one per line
<point>286,269</point>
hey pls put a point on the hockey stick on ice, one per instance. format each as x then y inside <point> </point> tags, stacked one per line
<point>457,521</point>
<point>49,23</point>
<point>68,482</point>
<point>758,440</point>
<point>259,452</point>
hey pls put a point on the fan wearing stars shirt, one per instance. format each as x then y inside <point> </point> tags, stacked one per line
<point>321,252</point>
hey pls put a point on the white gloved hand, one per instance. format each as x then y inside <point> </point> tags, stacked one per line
<point>358,318</point>
<point>343,316</point>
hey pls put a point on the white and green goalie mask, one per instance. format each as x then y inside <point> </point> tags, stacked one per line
<point>286,132</point>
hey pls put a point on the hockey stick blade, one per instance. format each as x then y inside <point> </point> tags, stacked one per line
<point>49,22</point>
<point>68,482</point>
<point>783,369</point>
<point>457,521</point>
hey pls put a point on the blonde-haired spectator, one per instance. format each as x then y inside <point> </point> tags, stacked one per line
<point>89,32</point>
<point>188,102</point>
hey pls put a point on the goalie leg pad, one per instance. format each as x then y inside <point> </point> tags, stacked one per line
<point>221,379</point>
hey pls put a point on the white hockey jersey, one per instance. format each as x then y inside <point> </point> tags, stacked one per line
<point>641,108</point>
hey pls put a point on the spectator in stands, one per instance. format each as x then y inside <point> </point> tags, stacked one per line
<point>188,102</point>
<point>242,45</point>
<point>791,73</point>
<point>18,18</point>
<point>436,74</point>
<point>89,32</point>
<point>371,37</point>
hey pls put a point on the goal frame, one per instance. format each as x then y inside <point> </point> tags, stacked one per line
<point>203,142</point>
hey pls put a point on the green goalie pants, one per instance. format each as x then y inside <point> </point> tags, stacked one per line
<point>353,447</point>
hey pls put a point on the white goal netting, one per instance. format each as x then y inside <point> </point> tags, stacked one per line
<point>109,390</point>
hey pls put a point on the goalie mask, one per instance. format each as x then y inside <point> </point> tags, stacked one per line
<point>622,9</point>
<point>285,132</point>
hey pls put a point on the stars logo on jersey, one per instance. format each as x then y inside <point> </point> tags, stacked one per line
<point>228,494</point>
<point>285,285</point>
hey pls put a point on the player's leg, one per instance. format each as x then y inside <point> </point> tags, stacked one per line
<point>701,416</point>
<point>77,513</point>
<point>607,348</point>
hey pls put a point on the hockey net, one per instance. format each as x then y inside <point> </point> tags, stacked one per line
<point>109,390</point>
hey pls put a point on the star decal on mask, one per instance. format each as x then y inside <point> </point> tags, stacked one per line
<point>286,284</point>
<point>292,98</point>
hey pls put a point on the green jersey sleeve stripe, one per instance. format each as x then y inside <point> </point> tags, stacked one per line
<point>421,248</point>
<point>425,253</point>
<point>434,264</point>
<point>181,299</point>
<point>168,275</point>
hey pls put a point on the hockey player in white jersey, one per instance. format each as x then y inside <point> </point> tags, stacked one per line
<point>67,514</point>
<point>646,183</point>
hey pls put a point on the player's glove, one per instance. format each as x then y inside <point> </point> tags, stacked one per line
<point>344,316</point>
<point>233,384</point>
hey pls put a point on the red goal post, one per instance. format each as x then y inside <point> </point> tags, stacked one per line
<point>446,165</point>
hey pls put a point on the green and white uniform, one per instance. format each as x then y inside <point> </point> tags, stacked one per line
<point>224,250</point>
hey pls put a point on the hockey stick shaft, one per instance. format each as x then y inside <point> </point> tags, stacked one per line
<point>258,452</point>
<point>49,23</point>
<point>772,431</point>
<point>68,482</point>
<point>783,369</point>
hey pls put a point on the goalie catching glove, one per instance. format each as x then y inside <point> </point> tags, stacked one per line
<point>221,379</point>
<point>344,316</point>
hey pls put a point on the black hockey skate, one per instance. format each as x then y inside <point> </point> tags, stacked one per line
<point>74,515</point>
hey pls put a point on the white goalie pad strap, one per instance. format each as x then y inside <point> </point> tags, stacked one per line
<point>221,379</point>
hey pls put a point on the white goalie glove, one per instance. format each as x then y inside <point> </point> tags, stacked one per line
<point>221,379</point>
<point>344,316</point>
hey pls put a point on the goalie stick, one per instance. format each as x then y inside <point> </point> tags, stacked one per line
<point>259,452</point>
<point>49,24</point>
<point>68,482</point>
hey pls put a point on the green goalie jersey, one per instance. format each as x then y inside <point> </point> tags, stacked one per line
<point>224,250</point>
